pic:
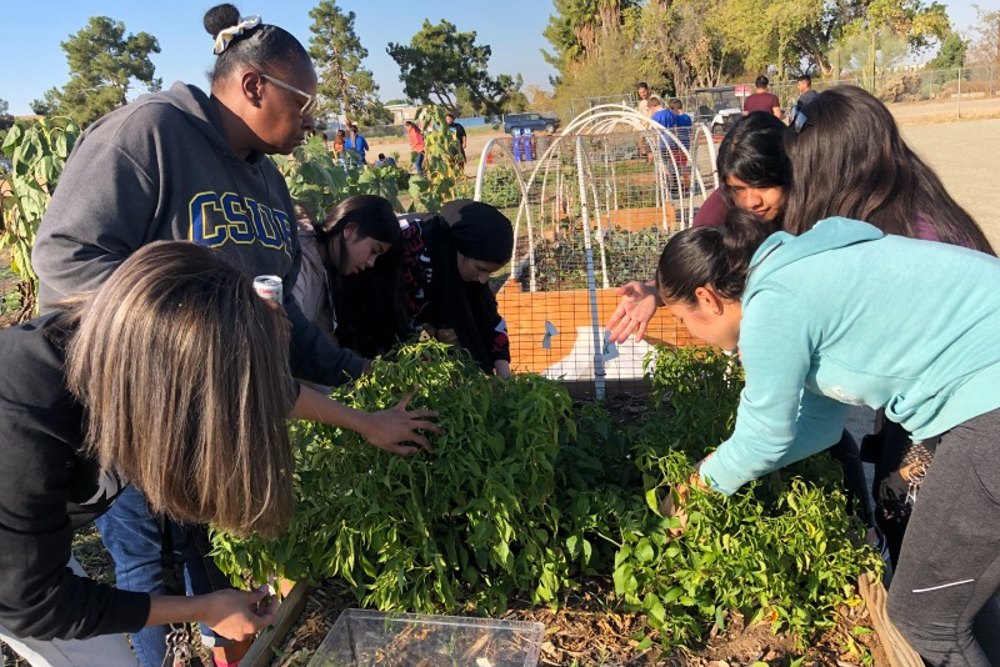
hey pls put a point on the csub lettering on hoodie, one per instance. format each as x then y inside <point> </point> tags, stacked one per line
<point>219,219</point>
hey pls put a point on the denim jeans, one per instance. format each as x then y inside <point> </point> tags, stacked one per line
<point>131,534</point>
<point>419,164</point>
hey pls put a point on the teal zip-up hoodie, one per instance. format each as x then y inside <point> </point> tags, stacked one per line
<point>845,314</point>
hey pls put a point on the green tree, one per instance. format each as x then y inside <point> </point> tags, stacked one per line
<point>578,26</point>
<point>918,24</point>
<point>439,61</point>
<point>683,41</point>
<point>103,62</point>
<point>345,87</point>
<point>6,120</point>
<point>48,104</point>
<point>951,54</point>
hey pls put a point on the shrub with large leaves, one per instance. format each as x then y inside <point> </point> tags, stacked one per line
<point>37,152</point>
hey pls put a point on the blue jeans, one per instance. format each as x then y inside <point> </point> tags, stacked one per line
<point>132,536</point>
<point>419,164</point>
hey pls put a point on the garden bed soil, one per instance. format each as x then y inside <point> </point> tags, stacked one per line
<point>584,631</point>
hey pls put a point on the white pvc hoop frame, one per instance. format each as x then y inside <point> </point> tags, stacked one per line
<point>604,120</point>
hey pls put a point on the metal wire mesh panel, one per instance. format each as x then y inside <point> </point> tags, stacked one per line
<point>594,207</point>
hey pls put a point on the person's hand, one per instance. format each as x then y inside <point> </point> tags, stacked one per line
<point>502,369</point>
<point>673,506</point>
<point>239,615</point>
<point>389,429</point>
<point>636,309</point>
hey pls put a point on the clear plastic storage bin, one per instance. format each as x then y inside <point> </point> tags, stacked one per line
<point>363,638</point>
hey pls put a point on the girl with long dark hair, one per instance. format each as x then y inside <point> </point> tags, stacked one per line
<point>848,158</point>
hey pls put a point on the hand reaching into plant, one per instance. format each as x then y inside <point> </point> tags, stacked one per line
<point>389,429</point>
<point>385,429</point>
<point>673,505</point>
<point>637,307</point>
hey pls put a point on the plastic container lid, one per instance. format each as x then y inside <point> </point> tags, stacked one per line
<point>366,638</point>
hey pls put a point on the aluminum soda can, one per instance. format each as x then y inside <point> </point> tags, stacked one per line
<point>269,287</point>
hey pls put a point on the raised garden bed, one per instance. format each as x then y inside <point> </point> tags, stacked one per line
<point>535,508</point>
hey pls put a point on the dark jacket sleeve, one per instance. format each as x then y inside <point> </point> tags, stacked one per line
<point>39,595</point>
<point>491,326</point>
<point>314,357</point>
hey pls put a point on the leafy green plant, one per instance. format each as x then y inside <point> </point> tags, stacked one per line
<point>317,182</point>
<point>783,549</point>
<point>469,521</point>
<point>560,263</point>
<point>37,153</point>
<point>442,162</point>
<point>501,187</point>
<point>524,495</point>
<point>699,387</point>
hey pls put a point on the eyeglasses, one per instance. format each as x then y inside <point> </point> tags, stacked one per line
<point>310,104</point>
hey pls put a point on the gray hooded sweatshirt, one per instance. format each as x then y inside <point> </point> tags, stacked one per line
<point>161,168</point>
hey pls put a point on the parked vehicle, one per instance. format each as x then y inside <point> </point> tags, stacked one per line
<point>718,107</point>
<point>532,121</point>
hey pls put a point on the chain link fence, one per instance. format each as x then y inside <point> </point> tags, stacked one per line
<point>961,88</point>
<point>957,87</point>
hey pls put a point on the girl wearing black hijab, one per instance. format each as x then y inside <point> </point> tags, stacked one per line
<point>435,280</point>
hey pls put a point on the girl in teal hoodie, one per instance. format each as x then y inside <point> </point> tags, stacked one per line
<point>801,311</point>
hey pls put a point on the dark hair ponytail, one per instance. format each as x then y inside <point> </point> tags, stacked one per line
<point>259,46</point>
<point>719,257</point>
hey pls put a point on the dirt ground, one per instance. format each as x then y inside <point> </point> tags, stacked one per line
<point>963,154</point>
<point>960,151</point>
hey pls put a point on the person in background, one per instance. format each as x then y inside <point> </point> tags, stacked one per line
<point>795,320</point>
<point>173,378</point>
<point>642,90</point>
<point>383,161</point>
<point>682,128</point>
<point>187,165</point>
<point>339,142</point>
<point>460,134</point>
<point>660,114</point>
<point>682,122</point>
<point>347,242</point>
<point>762,100</point>
<point>434,281</point>
<point>806,96</point>
<point>355,142</point>
<point>416,139</point>
<point>806,93</point>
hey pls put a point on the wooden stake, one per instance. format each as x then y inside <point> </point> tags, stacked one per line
<point>897,649</point>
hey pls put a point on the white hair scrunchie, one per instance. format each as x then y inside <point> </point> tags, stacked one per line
<point>226,36</point>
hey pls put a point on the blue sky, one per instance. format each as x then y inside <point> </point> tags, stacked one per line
<point>34,61</point>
